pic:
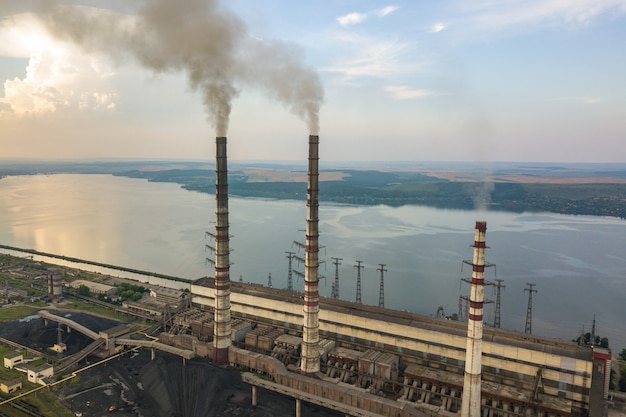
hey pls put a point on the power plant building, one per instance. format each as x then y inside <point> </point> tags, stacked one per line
<point>420,365</point>
<point>519,371</point>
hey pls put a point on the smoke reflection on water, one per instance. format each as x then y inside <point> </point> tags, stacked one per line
<point>577,262</point>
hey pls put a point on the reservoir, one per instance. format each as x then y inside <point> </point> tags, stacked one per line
<point>578,263</point>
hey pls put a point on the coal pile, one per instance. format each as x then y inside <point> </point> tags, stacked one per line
<point>134,385</point>
<point>35,333</point>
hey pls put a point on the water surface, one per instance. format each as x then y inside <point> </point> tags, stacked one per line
<point>578,263</point>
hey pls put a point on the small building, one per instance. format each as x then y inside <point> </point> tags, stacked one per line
<point>143,308</point>
<point>10,386</point>
<point>94,287</point>
<point>166,295</point>
<point>59,347</point>
<point>37,374</point>
<point>12,359</point>
<point>14,292</point>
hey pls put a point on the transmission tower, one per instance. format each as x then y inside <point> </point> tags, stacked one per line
<point>210,248</point>
<point>358,267</point>
<point>464,300</point>
<point>593,331</point>
<point>269,280</point>
<point>290,256</point>
<point>529,310</point>
<point>336,262</point>
<point>300,259</point>
<point>463,307</point>
<point>496,319</point>
<point>381,293</point>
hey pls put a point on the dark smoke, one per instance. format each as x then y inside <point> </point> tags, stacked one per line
<point>206,42</point>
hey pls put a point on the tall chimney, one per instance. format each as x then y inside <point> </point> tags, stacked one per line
<point>222,329</point>
<point>310,360</point>
<point>470,406</point>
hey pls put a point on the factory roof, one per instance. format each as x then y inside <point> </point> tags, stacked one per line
<point>13,355</point>
<point>288,339</point>
<point>93,286</point>
<point>506,392</point>
<point>451,327</point>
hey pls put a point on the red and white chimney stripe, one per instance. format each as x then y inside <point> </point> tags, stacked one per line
<point>310,358</point>
<point>222,326</point>
<point>470,406</point>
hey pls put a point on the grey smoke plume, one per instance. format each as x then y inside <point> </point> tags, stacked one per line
<point>276,68</point>
<point>206,42</point>
<point>481,194</point>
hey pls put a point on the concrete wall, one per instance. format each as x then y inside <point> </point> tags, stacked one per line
<point>316,390</point>
<point>565,368</point>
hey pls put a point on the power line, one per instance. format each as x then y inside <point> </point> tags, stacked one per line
<point>358,267</point>
<point>529,310</point>
<point>336,262</point>
<point>290,256</point>
<point>381,293</point>
<point>496,319</point>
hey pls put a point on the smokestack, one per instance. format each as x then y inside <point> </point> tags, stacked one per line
<point>470,406</point>
<point>310,360</point>
<point>222,329</point>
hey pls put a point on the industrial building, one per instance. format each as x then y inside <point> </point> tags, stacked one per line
<point>9,387</point>
<point>12,359</point>
<point>436,366</point>
<point>519,371</point>
<point>94,287</point>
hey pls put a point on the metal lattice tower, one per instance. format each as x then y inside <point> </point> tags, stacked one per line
<point>381,293</point>
<point>462,309</point>
<point>269,280</point>
<point>496,319</point>
<point>336,262</point>
<point>290,256</point>
<point>464,300</point>
<point>529,311</point>
<point>358,267</point>
<point>593,331</point>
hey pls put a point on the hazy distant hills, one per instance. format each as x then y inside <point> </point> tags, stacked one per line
<point>586,189</point>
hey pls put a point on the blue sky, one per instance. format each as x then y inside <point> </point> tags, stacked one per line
<point>509,80</point>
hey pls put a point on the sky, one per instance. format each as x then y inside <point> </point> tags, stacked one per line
<point>451,80</point>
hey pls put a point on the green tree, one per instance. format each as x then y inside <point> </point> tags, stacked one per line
<point>604,342</point>
<point>622,379</point>
<point>622,355</point>
<point>83,290</point>
<point>612,380</point>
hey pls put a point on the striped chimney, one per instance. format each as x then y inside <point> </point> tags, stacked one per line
<point>470,406</point>
<point>310,360</point>
<point>222,327</point>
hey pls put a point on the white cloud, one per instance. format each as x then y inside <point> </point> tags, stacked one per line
<point>490,15</point>
<point>403,92</point>
<point>372,58</point>
<point>97,101</point>
<point>355,18</point>
<point>58,77</point>
<point>387,10</point>
<point>437,27</point>
<point>351,19</point>
<point>21,34</point>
